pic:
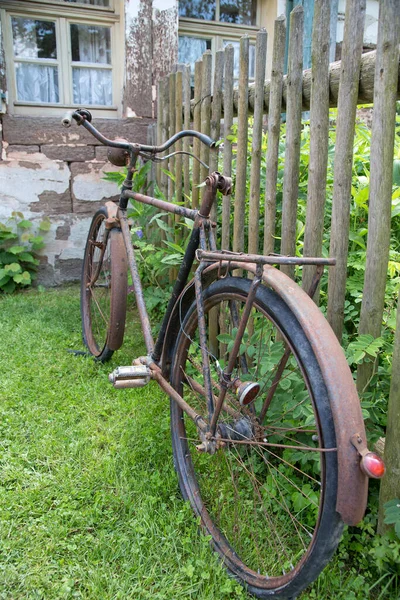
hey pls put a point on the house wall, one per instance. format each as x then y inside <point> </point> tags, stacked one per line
<point>47,170</point>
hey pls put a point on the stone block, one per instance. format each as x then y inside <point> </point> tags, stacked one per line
<point>70,153</point>
<point>28,131</point>
<point>101,153</point>
<point>18,149</point>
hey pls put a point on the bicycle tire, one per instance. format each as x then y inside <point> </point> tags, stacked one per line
<point>103,304</point>
<point>297,527</point>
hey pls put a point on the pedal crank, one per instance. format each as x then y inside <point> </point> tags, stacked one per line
<point>130,377</point>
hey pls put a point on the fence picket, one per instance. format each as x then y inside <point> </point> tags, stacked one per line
<point>198,73</point>
<point>319,136</point>
<point>293,135</point>
<point>274,128</point>
<point>381,173</point>
<point>256,147</point>
<point>241,161</point>
<point>346,114</point>
<point>228,120</point>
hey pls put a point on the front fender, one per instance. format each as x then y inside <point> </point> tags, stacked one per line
<point>345,404</point>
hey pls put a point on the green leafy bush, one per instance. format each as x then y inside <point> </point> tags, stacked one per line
<point>19,243</point>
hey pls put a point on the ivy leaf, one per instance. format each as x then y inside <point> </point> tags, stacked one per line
<point>45,225</point>
<point>13,268</point>
<point>16,249</point>
<point>24,224</point>
<point>9,287</point>
<point>23,278</point>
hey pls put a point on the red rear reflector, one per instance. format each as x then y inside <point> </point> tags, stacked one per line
<point>372,465</point>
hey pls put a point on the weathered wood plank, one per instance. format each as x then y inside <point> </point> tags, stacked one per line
<point>293,136</point>
<point>198,72</point>
<point>216,112</point>
<point>381,169</point>
<point>319,135</point>
<point>274,127</point>
<point>205,111</point>
<point>347,105</point>
<point>228,120</point>
<point>254,202</point>
<point>186,125</point>
<point>241,161</point>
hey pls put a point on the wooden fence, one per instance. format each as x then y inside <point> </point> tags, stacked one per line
<point>218,104</point>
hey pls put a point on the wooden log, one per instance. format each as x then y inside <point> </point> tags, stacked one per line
<point>274,127</point>
<point>228,120</point>
<point>319,137</point>
<point>381,173</point>
<point>347,105</point>
<point>256,147</point>
<point>198,72</point>
<point>365,86</point>
<point>241,160</point>
<point>293,137</point>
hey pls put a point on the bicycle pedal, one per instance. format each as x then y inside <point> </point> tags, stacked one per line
<point>130,377</point>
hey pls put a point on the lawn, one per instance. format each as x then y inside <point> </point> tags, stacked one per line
<point>89,501</point>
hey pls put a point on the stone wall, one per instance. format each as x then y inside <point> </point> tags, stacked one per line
<point>47,170</point>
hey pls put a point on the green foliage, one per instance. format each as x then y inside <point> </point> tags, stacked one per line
<point>19,243</point>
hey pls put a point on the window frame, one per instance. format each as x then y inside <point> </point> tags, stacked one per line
<point>64,14</point>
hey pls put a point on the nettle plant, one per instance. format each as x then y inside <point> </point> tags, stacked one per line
<point>20,239</point>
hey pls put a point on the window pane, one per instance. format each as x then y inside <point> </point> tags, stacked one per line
<point>197,9</point>
<point>90,44</point>
<point>36,83</point>
<point>92,2</point>
<point>191,48</point>
<point>92,86</point>
<point>33,38</point>
<point>242,12</point>
<point>236,58</point>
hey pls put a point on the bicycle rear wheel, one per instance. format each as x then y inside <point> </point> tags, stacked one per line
<point>103,289</point>
<point>267,496</point>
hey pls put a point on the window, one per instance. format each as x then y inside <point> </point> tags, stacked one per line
<point>62,54</point>
<point>228,21</point>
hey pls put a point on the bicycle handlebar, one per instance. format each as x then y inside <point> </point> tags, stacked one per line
<point>83,117</point>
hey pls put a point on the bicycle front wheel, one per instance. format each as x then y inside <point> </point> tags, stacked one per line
<point>267,495</point>
<point>103,289</point>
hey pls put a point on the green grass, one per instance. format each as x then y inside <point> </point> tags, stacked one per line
<point>89,500</point>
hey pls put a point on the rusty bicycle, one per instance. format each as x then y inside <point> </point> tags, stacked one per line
<point>267,433</point>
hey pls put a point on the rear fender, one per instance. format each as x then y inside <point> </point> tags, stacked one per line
<point>345,404</point>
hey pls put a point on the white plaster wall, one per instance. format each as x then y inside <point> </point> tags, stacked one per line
<point>371,21</point>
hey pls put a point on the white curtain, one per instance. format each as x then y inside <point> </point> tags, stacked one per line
<point>92,86</point>
<point>36,83</point>
<point>190,49</point>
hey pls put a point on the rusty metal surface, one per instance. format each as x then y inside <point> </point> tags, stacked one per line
<point>344,401</point>
<point>263,260</point>
<point>144,317</point>
<point>167,206</point>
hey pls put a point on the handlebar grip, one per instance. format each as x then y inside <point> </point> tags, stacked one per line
<point>67,119</point>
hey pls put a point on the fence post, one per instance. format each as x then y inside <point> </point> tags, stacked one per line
<point>228,121</point>
<point>216,109</point>
<point>205,110</point>
<point>274,129</point>
<point>186,125</point>
<point>241,161</point>
<point>293,135</point>
<point>346,114</point>
<point>198,71</point>
<point>381,177</point>
<point>319,134</point>
<point>256,147</point>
